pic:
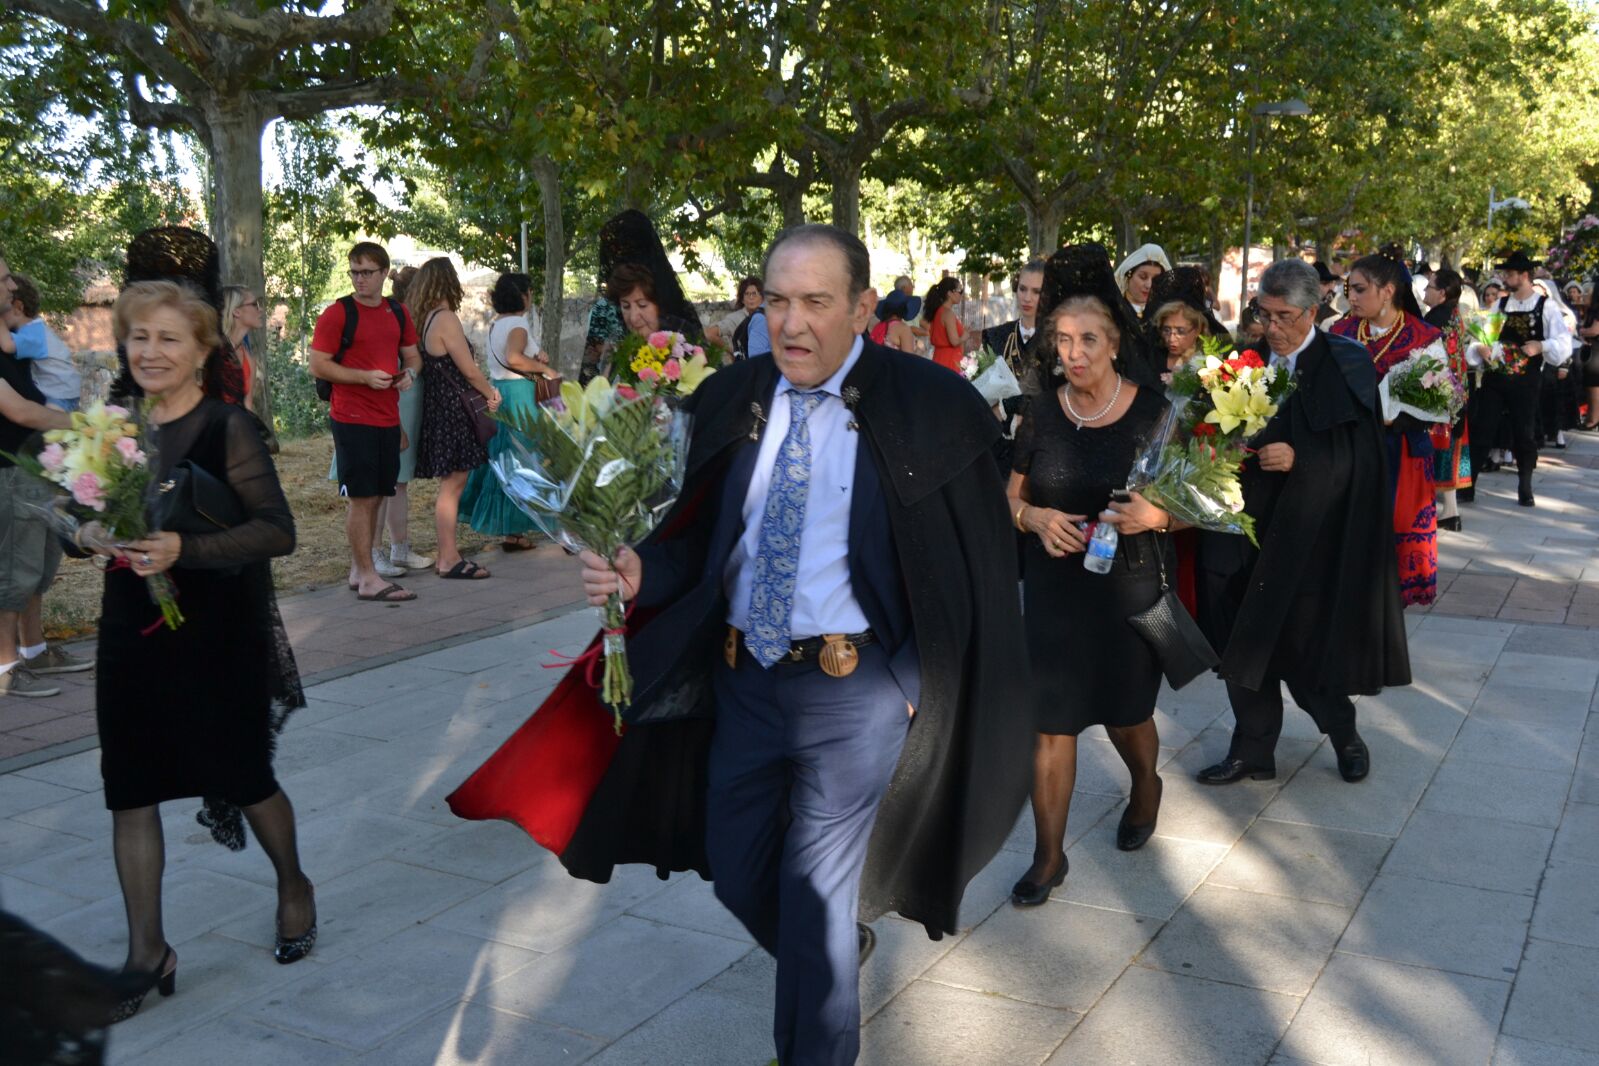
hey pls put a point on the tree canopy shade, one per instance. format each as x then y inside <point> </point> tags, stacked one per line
<point>998,126</point>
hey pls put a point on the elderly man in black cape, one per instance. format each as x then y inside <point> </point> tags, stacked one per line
<point>1317,606</point>
<point>827,718</point>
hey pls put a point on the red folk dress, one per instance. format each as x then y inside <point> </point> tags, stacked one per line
<point>1410,462</point>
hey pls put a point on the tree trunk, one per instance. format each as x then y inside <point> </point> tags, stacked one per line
<point>1043,226</point>
<point>846,175</point>
<point>791,197</point>
<point>233,140</point>
<point>548,175</point>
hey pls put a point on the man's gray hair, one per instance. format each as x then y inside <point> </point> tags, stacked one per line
<point>1293,280</point>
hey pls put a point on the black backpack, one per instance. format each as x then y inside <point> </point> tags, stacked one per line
<point>741,335</point>
<point>352,319</point>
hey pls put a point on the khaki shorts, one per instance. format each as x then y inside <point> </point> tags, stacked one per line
<point>29,551</point>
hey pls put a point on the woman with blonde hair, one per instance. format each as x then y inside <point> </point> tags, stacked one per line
<point>193,711</point>
<point>241,313</point>
<point>449,448</point>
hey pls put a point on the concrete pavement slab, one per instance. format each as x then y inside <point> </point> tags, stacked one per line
<point>1243,938</point>
<point>1568,905</point>
<point>936,1025</point>
<point>1202,1023</point>
<point>1447,927</point>
<point>614,979</point>
<point>1302,862</point>
<point>1471,850</point>
<point>473,1034</point>
<point>1554,996</point>
<point>1055,955</point>
<point>1366,1011</point>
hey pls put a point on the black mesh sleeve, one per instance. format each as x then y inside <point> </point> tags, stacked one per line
<point>268,531</point>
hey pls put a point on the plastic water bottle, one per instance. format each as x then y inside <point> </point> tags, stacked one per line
<point>1101,548</point>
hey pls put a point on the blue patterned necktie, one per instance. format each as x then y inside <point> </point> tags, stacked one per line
<point>777,558</point>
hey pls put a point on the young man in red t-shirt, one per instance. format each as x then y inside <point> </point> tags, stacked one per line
<point>381,362</point>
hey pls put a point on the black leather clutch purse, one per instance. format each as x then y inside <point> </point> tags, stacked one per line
<point>1173,635</point>
<point>191,500</point>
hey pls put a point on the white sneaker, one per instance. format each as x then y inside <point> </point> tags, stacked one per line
<point>384,567</point>
<point>402,555</point>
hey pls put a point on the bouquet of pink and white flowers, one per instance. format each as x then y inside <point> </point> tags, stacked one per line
<point>100,463</point>
<point>990,375</point>
<point>1423,387</point>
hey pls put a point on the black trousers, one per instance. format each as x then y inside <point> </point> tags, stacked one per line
<point>1258,718</point>
<point>1512,397</point>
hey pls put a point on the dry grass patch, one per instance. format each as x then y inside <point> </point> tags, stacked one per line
<point>72,607</point>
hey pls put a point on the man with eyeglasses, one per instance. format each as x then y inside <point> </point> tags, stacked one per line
<point>1316,606</point>
<point>368,368</point>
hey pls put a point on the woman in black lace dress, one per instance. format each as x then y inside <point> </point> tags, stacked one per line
<point>1090,667</point>
<point>193,711</point>
<point>449,449</point>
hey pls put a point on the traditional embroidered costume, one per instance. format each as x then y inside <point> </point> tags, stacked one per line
<point>1410,459</point>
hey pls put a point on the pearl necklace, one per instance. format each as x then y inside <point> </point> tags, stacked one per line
<point>1103,411</point>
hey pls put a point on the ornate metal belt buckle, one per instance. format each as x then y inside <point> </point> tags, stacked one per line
<point>839,657</point>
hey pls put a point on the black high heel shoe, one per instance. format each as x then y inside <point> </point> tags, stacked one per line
<point>164,979</point>
<point>1026,893</point>
<point>293,949</point>
<point>1130,837</point>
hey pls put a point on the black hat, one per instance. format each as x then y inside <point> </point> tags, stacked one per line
<point>1327,276</point>
<point>176,253</point>
<point>1518,260</point>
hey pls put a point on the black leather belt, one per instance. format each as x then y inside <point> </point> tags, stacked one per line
<point>803,651</point>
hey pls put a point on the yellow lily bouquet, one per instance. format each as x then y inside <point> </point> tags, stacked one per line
<point>1190,467</point>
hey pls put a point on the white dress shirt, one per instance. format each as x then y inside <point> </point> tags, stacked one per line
<point>824,600</point>
<point>1557,341</point>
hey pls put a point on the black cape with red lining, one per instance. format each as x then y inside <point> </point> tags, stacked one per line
<point>1319,600</point>
<point>966,765</point>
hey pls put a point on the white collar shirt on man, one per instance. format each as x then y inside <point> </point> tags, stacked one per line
<point>824,600</point>
<point>1557,339</point>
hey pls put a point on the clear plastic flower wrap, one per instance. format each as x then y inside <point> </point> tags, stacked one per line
<point>597,469</point>
<point>1219,401</point>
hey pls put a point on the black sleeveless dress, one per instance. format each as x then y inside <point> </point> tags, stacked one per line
<point>448,443</point>
<point>193,711</point>
<point>1089,666</point>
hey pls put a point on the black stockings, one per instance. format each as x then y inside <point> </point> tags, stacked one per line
<point>140,849</point>
<point>1055,775</point>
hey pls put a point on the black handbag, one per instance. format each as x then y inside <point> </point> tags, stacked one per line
<point>1172,634</point>
<point>477,410</point>
<point>191,500</point>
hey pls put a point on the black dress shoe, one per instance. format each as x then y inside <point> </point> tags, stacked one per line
<point>1131,837</point>
<point>1467,495</point>
<point>1489,466</point>
<point>867,941</point>
<point>1524,497</point>
<point>1031,893</point>
<point>1450,524</point>
<point>1230,769</point>
<point>1354,760</point>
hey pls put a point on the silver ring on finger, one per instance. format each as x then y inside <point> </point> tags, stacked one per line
<point>144,560</point>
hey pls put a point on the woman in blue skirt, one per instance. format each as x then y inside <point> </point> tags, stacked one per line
<point>513,367</point>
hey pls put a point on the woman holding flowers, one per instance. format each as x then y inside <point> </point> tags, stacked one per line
<point>193,710</point>
<point>449,449</point>
<point>1075,449</point>
<point>1384,316</point>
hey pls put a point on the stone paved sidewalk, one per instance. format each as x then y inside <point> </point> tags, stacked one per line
<point>1445,911</point>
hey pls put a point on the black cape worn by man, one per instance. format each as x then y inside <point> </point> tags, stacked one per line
<point>1317,605</point>
<point>963,772</point>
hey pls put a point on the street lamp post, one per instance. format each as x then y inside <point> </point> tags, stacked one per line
<point>1295,108</point>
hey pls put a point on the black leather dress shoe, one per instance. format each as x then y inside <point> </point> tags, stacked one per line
<point>1354,760</point>
<point>1131,837</point>
<point>867,939</point>
<point>1452,524</point>
<point>1230,770</point>
<point>1524,497</point>
<point>1031,893</point>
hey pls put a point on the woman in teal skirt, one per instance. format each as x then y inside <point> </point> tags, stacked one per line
<point>512,336</point>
